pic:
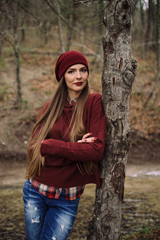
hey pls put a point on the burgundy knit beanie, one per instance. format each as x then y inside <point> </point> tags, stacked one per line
<point>68,59</point>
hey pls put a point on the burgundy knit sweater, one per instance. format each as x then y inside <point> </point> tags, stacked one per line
<point>61,155</point>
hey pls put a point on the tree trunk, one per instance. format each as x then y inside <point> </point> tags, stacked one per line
<point>23,32</point>
<point>69,29</point>
<point>18,80</point>
<point>118,76</point>
<point>149,24</point>
<point>1,27</point>
<point>97,58</point>
<point>154,92</point>
<point>141,2</point>
<point>16,53</point>
<point>61,39</point>
<point>157,27</point>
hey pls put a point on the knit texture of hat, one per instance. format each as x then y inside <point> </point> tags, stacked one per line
<point>68,59</point>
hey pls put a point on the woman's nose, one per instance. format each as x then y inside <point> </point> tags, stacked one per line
<point>78,74</point>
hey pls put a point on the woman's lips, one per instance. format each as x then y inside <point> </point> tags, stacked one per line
<point>78,83</point>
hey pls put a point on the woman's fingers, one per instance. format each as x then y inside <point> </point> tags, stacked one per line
<point>86,136</point>
<point>88,140</point>
<point>91,139</point>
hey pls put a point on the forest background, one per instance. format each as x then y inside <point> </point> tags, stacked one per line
<point>32,35</point>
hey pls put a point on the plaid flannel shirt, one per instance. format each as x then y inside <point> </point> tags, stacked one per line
<point>52,192</point>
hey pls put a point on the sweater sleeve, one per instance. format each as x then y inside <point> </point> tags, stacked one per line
<point>75,151</point>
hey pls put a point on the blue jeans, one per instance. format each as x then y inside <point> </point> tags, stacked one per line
<point>45,218</point>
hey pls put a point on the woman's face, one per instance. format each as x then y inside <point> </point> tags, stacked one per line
<point>76,78</point>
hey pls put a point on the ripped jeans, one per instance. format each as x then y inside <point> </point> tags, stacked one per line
<point>45,218</point>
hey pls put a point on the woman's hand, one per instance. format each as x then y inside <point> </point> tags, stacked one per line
<point>87,139</point>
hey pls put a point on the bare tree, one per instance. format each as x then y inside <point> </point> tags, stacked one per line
<point>149,24</point>
<point>16,51</point>
<point>157,32</point>
<point>118,76</point>
<point>60,31</point>
<point>154,91</point>
<point>1,29</point>
<point>9,32</point>
<point>70,30</point>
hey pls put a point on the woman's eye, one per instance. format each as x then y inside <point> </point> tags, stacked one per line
<point>83,70</point>
<point>70,71</point>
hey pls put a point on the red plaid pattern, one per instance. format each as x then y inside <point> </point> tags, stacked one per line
<point>52,192</point>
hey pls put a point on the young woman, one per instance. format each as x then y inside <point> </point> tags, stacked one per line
<point>65,147</point>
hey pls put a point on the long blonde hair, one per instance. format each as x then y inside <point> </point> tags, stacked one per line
<point>45,122</point>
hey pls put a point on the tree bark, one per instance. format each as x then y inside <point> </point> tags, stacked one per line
<point>118,75</point>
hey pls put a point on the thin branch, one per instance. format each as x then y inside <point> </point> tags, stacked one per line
<point>90,51</point>
<point>24,9</point>
<point>65,21</point>
<point>154,88</point>
<point>148,43</point>
<point>85,5</point>
<point>134,3</point>
<point>81,2</point>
